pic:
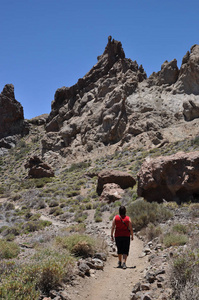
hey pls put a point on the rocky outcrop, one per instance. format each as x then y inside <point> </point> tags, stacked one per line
<point>123,179</point>
<point>168,74</point>
<point>185,80</point>
<point>191,109</point>
<point>39,120</point>
<point>38,169</point>
<point>12,118</point>
<point>188,80</point>
<point>115,104</point>
<point>111,192</point>
<point>170,178</point>
<point>93,112</point>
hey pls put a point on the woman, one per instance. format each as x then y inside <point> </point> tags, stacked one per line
<point>123,229</point>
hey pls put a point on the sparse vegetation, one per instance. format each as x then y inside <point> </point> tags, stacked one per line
<point>184,278</point>
<point>46,272</point>
<point>71,196</point>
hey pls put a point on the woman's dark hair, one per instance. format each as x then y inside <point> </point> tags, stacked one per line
<point>122,210</point>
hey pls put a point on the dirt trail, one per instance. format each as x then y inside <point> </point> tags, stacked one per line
<point>114,283</point>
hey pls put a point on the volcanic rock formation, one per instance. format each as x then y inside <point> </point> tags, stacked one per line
<point>38,169</point>
<point>123,179</point>
<point>93,112</point>
<point>12,118</point>
<point>115,103</point>
<point>170,178</point>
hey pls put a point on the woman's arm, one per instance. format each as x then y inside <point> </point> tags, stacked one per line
<point>131,228</point>
<point>112,228</point>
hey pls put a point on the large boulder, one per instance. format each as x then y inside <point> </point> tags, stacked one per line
<point>38,169</point>
<point>123,179</point>
<point>111,192</point>
<point>170,178</point>
<point>191,109</point>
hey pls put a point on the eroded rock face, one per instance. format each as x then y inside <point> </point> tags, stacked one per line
<point>188,80</point>
<point>168,74</point>
<point>123,179</point>
<point>115,104</point>
<point>93,112</point>
<point>12,117</point>
<point>170,178</point>
<point>38,169</point>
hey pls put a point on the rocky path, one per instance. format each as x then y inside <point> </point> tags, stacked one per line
<point>114,283</point>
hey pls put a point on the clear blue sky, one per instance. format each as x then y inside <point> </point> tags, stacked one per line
<point>47,44</point>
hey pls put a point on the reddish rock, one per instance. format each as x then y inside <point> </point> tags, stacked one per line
<point>170,178</point>
<point>38,169</point>
<point>111,192</point>
<point>123,179</point>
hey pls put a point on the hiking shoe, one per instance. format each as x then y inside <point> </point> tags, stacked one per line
<point>124,266</point>
<point>119,264</point>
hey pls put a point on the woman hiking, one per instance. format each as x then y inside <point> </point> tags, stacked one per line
<point>122,229</point>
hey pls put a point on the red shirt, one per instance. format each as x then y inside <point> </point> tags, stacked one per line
<point>121,228</point>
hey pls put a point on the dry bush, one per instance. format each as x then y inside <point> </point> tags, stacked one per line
<point>194,210</point>
<point>8,249</point>
<point>152,231</point>
<point>82,249</point>
<point>184,278</point>
<point>78,244</point>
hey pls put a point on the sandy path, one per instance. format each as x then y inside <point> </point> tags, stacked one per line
<point>114,283</point>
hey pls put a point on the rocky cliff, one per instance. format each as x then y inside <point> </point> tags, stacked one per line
<point>115,103</point>
<point>12,121</point>
<point>93,112</point>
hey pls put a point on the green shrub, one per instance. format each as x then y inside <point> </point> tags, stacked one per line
<point>172,239</point>
<point>53,203</point>
<point>30,280</point>
<point>32,226</point>
<point>98,219</point>
<point>194,210</point>
<point>153,231</point>
<point>89,206</point>
<point>8,249</point>
<point>180,228</point>
<point>98,215</point>
<point>77,244</point>
<point>9,206</point>
<point>142,213</point>
<point>79,166</point>
<point>80,217</point>
<point>183,273</point>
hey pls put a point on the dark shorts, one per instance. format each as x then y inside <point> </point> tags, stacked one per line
<point>123,244</point>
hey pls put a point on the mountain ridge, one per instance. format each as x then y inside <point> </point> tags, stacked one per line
<point>116,105</point>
